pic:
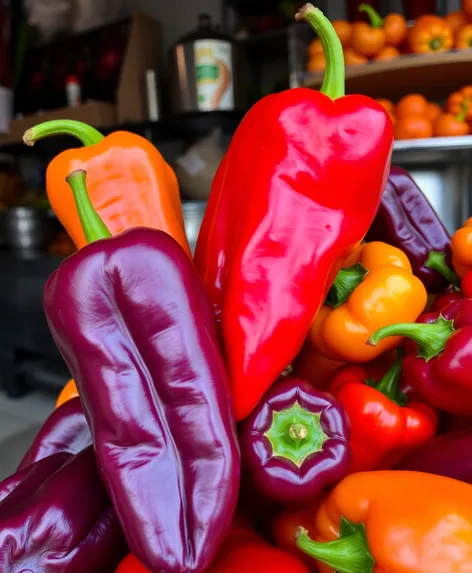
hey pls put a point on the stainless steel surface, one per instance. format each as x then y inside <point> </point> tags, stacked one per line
<point>193,215</point>
<point>27,229</point>
<point>152,95</point>
<point>433,150</point>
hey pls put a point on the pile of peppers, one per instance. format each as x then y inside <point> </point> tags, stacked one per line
<point>295,398</point>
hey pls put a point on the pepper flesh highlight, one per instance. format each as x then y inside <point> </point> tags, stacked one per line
<point>394,521</point>
<point>293,197</point>
<point>129,182</point>
<point>383,292</point>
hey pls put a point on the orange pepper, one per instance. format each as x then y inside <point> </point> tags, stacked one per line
<point>430,34</point>
<point>352,58</point>
<point>455,102</point>
<point>413,127</point>
<point>388,105</point>
<point>412,104</point>
<point>456,20</point>
<point>316,63</point>
<point>434,111</point>
<point>387,53</point>
<point>129,183</point>
<point>376,288</point>
<point>315,47</point>
<point>343,30</point>
<point>392,522</point>
<point>464,38</point>
<point>461,245</point>
<point>449,124</point>
<point>368,39</point>
<point>67,393</point>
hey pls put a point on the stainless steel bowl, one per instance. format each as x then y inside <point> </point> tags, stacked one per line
<point>193,215</point>
<point>27,229</point>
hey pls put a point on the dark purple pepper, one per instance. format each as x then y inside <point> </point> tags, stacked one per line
<point>295,443</point>
<point>445,455</point>
<point>406,220</point>
<point>58,519</point>
<point>133,322</point>
<point>66,430</point>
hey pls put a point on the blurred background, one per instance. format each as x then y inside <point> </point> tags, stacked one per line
<point>138,65</point>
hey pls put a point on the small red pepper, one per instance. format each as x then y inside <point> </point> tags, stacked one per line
<point>386,422</point>
<point>466,285</point>
<point>438,361</point>
<point>294,196</point>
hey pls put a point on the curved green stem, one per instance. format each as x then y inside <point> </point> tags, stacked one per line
<point>348,554</point>
<point>94,228</point>
<point>334,80</point>
<point>295,434</point>
<point>376,21</point>
<point>87,134</point>
<point>346,281</point>
<point>430,338</point>
<point>388,386</point>
<point>437,262</point>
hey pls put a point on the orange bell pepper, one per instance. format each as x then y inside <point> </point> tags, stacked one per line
<point>455,102</point>
<point>430,34</point>
<point>464,38</point>
<point>129,183</point>
<point>376,287</point>
<point>67,393</point>
<point>461,245</point>
<point>393,522</point>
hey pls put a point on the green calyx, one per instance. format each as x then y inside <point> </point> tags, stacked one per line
<point>347,280</point>
<point>295,434</point>
<point>348,554</point>
<point>334,80</point>
<point>430,338</point>
<point>94,228</point>
<point>85,133</point>
<point>376,21</point>
<point>437,262</point>
<point>464,110</point>
<point>389,385</point>
<point>435,44</point>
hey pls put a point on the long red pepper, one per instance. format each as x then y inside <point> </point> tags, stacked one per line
<point>294,195</point>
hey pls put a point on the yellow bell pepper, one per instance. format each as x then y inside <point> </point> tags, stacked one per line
<point>376,288</point>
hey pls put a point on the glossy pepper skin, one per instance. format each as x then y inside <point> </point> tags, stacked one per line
<point>66,430</point>
<point>407,220</point>
<point>242,551</point>
<point>385,422</point>
<point>295,443</point>
<point>295,194</point>
<point>132,320</point>
<point>129,182</point>
<point>461,244</point>
<point>58,519</point>
<point>394,521</point>
<point>438,359</point>
<point>444,455</point>
<point>376,288</point>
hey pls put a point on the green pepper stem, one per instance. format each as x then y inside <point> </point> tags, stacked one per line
<point>464,110</point>
<point>346,281</point>
<point>437,262</point>
<point>348,554</point>
<point>388,386</point>
<point>376,21</point>
<point>430,338</point>
<point>94,228</point>
<point>85,133</point>
<point>334,80</point>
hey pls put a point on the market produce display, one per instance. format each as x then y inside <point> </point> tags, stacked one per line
<point>382,39</point>
<point>297,398</point>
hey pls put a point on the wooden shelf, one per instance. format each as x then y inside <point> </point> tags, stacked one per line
<point>434,75</point>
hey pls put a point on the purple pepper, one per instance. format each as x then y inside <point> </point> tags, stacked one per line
<point>445,455</point>
<point>295,443</point>
<point>132,320</point>
<point>66,430</point>
<point>57,518</point>
<point>406,220</point>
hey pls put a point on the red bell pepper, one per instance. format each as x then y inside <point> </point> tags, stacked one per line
<point>438,361</point>
<point>386,422</point>
<point>449,295</point>
<point>293,197</point>
<point>466,285</point>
